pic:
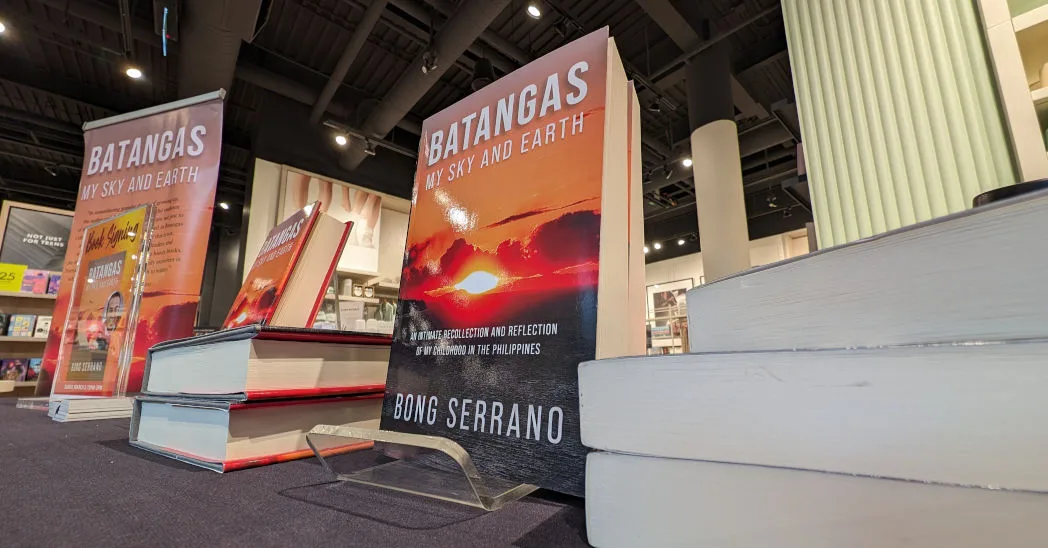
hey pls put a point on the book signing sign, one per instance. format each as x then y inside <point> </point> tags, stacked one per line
<point>499,286</point>
<point>167,157</point>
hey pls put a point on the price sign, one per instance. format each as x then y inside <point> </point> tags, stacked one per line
<point>11,276</point>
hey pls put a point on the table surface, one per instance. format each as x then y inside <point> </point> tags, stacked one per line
<point>82,484</point>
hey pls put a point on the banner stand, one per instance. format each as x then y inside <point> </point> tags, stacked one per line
<point>429,466</point>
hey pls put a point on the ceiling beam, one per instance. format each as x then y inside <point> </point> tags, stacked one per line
<point>349,54</point>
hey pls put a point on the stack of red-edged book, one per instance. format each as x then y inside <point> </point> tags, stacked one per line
<point>248,396</point>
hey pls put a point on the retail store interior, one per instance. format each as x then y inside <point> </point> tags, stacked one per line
<point>770,183</point>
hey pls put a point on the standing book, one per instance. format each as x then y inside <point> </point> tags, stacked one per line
<point>286,284</point>
<point>520,227</point>
<point>94,355</point>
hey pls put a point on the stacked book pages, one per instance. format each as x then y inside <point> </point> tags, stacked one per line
<point>886,392</point>
<point>247,396</point>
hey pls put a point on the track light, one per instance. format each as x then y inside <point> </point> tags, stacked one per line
<point>429,61</point>
<point>341,140</point>
<point>680,241</point>
<point>133,73</point>
<point>223,205</point>
<point>534,11</point>
<point>3,27</point>
<point>656,245</point>
<point>369,147</point>
<point>686,162</point>
<point>646,250</point>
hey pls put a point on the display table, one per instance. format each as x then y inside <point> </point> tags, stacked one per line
<point>82,484</point>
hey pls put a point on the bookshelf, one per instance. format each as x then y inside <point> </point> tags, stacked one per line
<point>14,302</point>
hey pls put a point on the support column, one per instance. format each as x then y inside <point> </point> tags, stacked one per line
<point>716,164</point>
<point>899,112</point>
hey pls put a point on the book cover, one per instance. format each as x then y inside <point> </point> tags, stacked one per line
<point>43,327</point>
<point>13,369</point>
<point>258,297</point>
<point>498,294</point>
<point>52,283</point>
<point>5,321</point>
<point>35,281</point>
<point>21,325</point>
<point>32,371</point>
<point>96,342</point>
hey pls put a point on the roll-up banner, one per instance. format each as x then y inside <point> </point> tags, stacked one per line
<point>167,155</point>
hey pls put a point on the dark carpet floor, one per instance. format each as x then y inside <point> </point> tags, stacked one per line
<point>81,484</point>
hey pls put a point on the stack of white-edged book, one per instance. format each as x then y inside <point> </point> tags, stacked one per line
<point>72,409</point>
<point>888,392</point>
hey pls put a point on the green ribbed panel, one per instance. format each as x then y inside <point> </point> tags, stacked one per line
<point>898,110</point>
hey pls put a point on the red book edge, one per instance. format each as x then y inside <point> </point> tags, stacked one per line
<point>331,270</point>
<point>240,464</point>
<point>359,390</point>
<point>340,337</point>
<point>314,214</point>
<point>283,403</point>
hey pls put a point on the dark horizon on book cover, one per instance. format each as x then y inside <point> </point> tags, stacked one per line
<point>499,287</point>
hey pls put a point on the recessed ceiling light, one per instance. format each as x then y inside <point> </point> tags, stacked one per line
<point>133,73</point>
<point>657,245</point>
<point>341,140</point>
<point>223,205</point>
<point>680,241</point>
<point>686,162</point>
<point>646,250</point>
<point>534,11</point>
<point>3,27</point>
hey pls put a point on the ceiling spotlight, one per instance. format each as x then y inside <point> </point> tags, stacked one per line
<point>646,250</point>
<point>680,241</point>
<point>786,213</point>
<point>3,27</point>
<point>341,140</point>
<point>223,205</point>
<point>133,73</point>
<point>655,106</point>
<point>686,162</point>
<point>429,61</point>
<point>657,245</point>
<point>534,11</point>
<point>369,147</point>
<point>51,171</point>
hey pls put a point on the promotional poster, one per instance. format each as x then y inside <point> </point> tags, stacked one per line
<point>265,282</point>
<point>96,339</point>
<point>499,286</point>
<point>35,236</point>
<point>168,157</point>
<point>346,204</point>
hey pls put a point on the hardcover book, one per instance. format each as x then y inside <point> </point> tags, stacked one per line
<point>5,321</point>
<point>52,283</point>
<point>35,281</point>
<point>43,326</point>
<point>286,283</point>
<point>519,229</point>
<point>13,369</point>
<point>21,325</point>
<point>33,370</point>
<point>96,340</point>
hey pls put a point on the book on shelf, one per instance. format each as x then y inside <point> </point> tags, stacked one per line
<point>649,501</point>
<point>52,283</point>
<point>13,369</point>
<point>969,276</point>
<point>32,371</point>
<point>227,435</point>
<point>5,323</point>
<point>35,281</point>
<point>43,327</point>
<point>288,280</point>
<point>21,325</point>
<point>257,362</point>
<point>950,414</point>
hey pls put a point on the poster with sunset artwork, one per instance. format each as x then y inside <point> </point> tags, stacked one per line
<point>520,198</point>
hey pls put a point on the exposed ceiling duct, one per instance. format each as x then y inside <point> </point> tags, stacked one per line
<point>356,42</point>
<point>210,35</point>
<point>472,17</point>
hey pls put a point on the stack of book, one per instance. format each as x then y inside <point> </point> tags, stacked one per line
<point>880,393</point>
<point>247,396</point>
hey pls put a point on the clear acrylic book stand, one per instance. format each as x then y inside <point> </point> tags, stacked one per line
<point>429,466</point>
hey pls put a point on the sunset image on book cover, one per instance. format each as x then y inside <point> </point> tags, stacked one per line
<point>500,280</point>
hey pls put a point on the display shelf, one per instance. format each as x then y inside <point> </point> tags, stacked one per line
<point>370,300</point>
<point>23,295</point>
<point>356,273</point>
<point>25,384</point>
<point>1031,19</point>
<point>23,339</point>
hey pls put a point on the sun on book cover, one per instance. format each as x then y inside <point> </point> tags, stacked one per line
<point>258,297</point>
<point>500,279</point>
<point>97,338</point>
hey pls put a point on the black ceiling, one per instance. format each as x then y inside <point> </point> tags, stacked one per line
<point>62,63</point>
